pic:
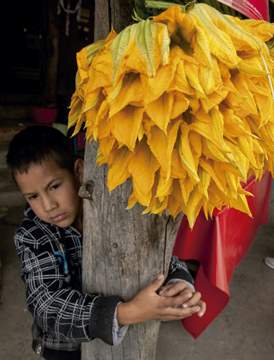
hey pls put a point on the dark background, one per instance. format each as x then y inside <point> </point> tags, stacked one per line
<point>38,63</point>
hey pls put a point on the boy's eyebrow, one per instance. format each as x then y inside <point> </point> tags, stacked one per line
<point>47,186</point>
<point>28,194</point>
<point>52,181</point>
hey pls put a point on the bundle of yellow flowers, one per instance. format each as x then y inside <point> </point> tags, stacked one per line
<point>182,105</point>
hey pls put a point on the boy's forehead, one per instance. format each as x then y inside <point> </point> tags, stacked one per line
<point>46,165</point>
<point>40,174</point>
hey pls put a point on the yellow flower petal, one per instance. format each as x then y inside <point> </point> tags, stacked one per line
<point>132,93</point>
<point>125,125</point>
<point>142,168</point>
<point>118,171</point>
<point>160,110</point>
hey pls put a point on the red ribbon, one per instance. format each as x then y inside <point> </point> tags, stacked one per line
<point>253,9</point>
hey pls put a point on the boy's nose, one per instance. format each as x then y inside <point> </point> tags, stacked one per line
<point>49,203</point>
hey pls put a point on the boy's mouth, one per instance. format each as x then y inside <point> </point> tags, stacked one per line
<point>59,217</point>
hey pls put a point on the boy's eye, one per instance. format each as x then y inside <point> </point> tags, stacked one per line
<point>55,186</point>
<point>32,197</point>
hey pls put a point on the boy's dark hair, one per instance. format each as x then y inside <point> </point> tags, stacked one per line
<point>34,144</point>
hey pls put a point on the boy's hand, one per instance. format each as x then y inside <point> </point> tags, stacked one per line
<point>148,305</point>
<point>180,288</point>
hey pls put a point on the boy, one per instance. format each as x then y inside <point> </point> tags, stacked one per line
<point>48,243</point>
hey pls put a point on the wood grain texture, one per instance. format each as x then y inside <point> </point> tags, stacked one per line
<point>101,19</point>
<point>123,249</point>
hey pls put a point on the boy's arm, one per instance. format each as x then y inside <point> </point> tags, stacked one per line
<point>66,313</point>
<point>149,305</point>
<point>171,299</point>
<point>59,310</point>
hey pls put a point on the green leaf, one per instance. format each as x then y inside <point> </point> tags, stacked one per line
<point>155,4</point>
<point>144,34</point>
<point>120,45</point>
<point>145,41</point>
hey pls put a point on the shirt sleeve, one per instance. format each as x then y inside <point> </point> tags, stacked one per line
<point>59,310</point>
<point>118,332</point>
<point>178,271</point>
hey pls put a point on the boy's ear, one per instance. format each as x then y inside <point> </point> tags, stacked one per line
<point>79,170</point>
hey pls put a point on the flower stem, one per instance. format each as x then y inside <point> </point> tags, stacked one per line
<point>164,4</point>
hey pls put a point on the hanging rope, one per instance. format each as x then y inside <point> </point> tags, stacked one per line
<point>68,11</point>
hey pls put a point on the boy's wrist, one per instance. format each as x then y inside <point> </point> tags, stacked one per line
<point>126,315</point>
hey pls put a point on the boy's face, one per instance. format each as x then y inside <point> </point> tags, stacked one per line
<point>52,193</point>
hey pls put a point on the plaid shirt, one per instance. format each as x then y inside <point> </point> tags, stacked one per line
<point>51,269</point>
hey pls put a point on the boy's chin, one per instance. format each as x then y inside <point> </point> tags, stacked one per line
<point>63,225</point>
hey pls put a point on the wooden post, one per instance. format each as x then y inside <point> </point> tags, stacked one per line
<point>123,249</point>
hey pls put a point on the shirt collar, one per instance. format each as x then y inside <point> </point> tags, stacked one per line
<point>28,213</point>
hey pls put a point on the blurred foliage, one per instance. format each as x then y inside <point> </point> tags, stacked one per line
<point>143,12</point>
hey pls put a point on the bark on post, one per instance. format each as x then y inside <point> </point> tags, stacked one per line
<point>123,249</point>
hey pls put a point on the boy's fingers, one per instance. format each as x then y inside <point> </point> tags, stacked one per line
<point>202,310</point>
<point>176,301</point>
<point>179,313</point>
<point>173,289</point>
<point>164,289</point>
<point>183,298</point>
<point>195,299</point>
<point>156,283</point>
